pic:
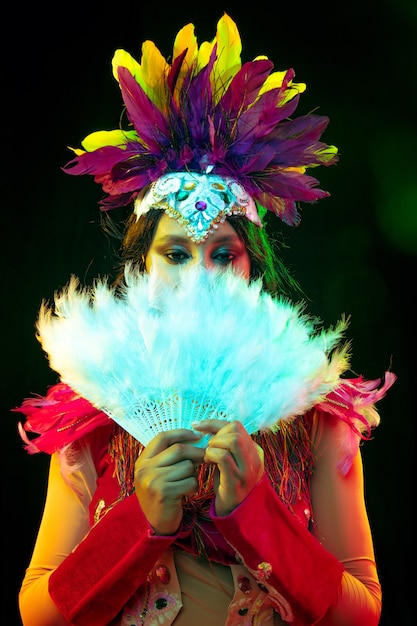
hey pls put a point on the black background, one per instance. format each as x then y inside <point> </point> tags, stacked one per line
<point>354,253</point>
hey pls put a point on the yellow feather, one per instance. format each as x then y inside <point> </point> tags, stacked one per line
<point>101,138</point>
<point>326,154</point>
<point>229,49</point>
<point>204,53</point>
<point>154,71</point>
<point>121,58</point>
<point>76,151</point>
<point>274,81</point>
<point>292,90</point>
<point>184,40</point>
<point>149,75</point>
<point>300,170</point>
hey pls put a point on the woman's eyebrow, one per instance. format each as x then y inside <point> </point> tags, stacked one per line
<point>184,239</point>
<point>172,239</point>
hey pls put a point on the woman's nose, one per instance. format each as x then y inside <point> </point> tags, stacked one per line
<point>203,260</point>
<point>207,263</point>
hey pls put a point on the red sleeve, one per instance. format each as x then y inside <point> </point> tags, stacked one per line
<point>282,554</point>
<point>103,572</point>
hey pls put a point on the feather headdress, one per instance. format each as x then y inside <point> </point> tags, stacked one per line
<point>206,112</point>
<point>155,357</point>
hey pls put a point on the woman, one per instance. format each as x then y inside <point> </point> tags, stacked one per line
<point>263,528</point>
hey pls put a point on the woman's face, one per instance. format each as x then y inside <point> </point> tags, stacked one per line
<point>171,249</point>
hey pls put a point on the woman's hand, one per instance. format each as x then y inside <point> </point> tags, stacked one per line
<point>165,472</point>
<point>239,460</point>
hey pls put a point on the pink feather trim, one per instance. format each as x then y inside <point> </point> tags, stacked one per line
<point>353,402</point>
<point>59,418</point>
<point>62,416</point>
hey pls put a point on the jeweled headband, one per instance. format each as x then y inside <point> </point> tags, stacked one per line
<point>206,136</point>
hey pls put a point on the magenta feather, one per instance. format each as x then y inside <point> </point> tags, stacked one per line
<point>148,121</point>
<point>244,88</point>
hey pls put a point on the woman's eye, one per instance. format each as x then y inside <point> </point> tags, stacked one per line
<point>224,257</point>
<point>177,256</point>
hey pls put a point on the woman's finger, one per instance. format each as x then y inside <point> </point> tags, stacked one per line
<point>168,438</point>
<point>210,426</point>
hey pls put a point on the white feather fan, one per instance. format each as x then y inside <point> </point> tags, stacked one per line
<point>156,357</point>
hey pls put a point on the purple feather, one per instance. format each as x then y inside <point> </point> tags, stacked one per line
<point>257,124</point>
<point>148,121</point>
<point>98,163</point>
<point>294,186</point>
<point>244,87</point>
<point>194,107</point>
<point>174,71</point>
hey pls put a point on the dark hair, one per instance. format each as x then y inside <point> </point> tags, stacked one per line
<point>265,261</point>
